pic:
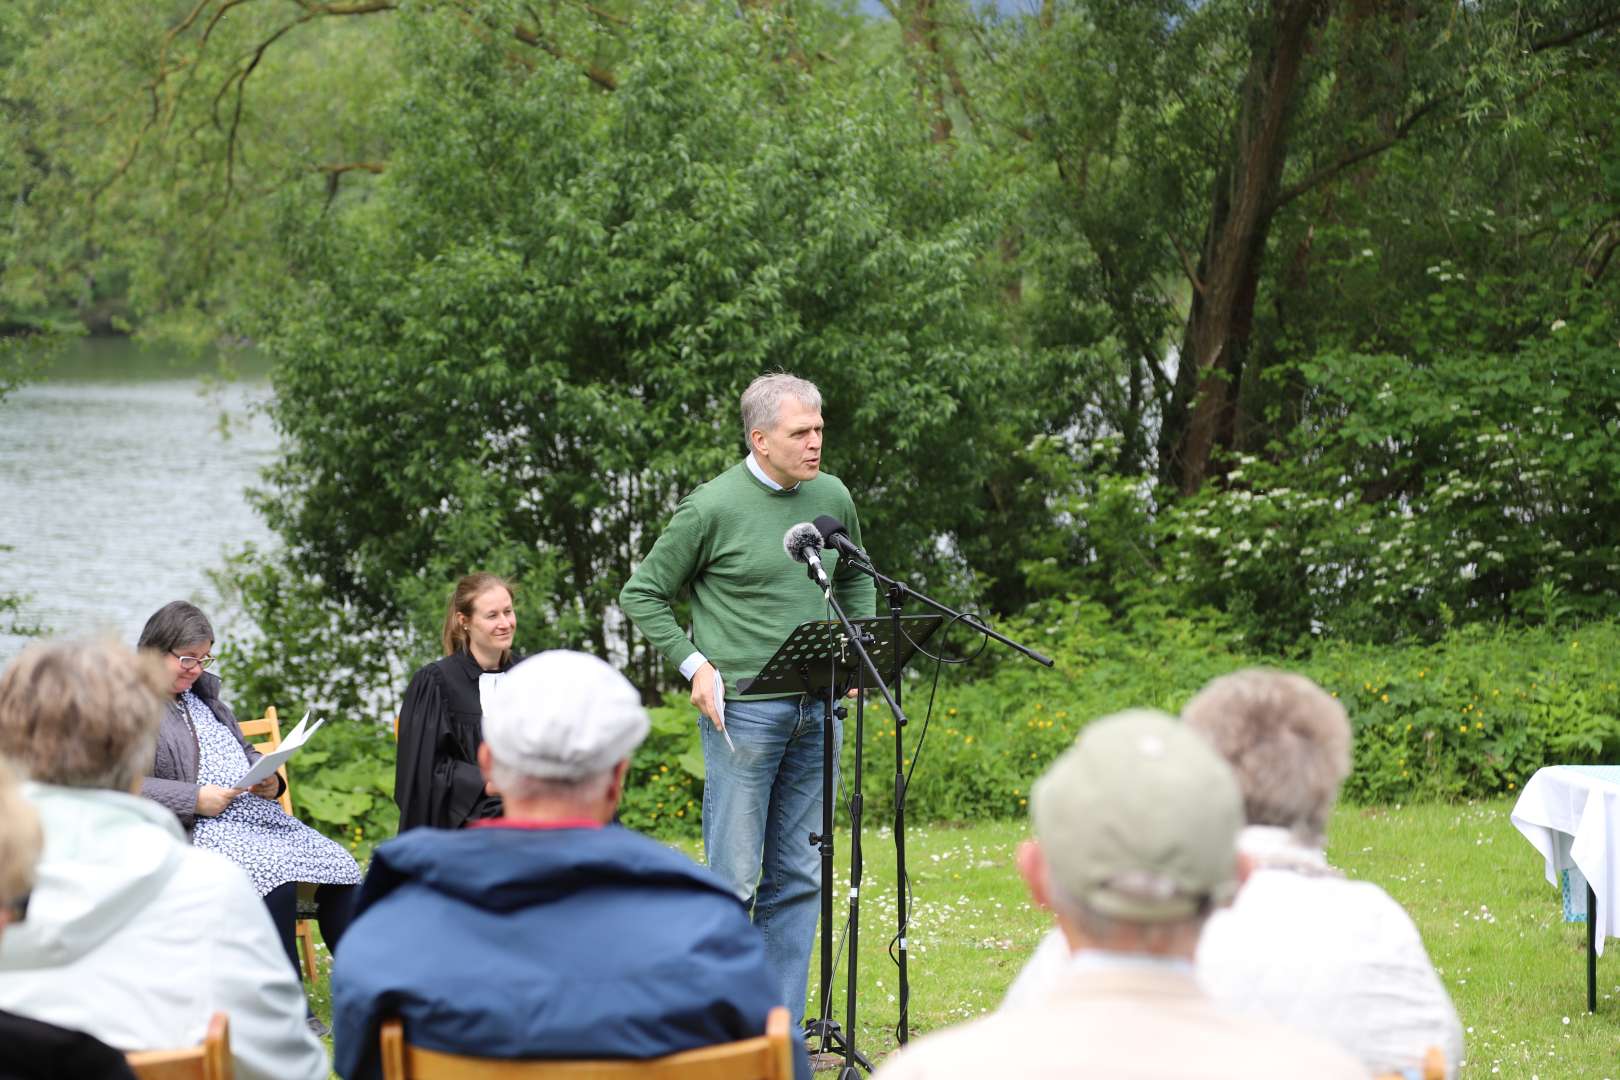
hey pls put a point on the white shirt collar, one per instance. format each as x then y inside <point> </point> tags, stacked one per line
<point>1273,848</point>
<point>764,477</point>
<point>1108,960</point>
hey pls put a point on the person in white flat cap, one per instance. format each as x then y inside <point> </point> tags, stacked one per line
<point>1135,845</point>
<point>550,932</point>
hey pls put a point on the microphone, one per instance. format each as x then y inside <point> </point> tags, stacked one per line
<point>834,534</point>
<point>802,542</point>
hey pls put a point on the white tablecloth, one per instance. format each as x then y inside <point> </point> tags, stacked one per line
<point>1571,813</point>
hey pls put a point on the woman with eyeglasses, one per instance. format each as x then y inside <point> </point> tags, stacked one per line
<point>201,755</point>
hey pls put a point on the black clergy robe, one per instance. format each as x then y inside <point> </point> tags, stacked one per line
<point>436,777</point>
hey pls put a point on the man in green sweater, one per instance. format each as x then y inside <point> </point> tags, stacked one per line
<point>762,755</point>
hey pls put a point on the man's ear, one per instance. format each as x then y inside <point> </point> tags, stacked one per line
<point>615,790</point>
<point>1245,867</point>
<point>1032,868</point>
<point>486,761</point>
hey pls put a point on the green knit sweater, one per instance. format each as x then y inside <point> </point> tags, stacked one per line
<point>725,543</point>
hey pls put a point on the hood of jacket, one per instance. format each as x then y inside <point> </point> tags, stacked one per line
<point>504,869</point>
<point>108,855</point>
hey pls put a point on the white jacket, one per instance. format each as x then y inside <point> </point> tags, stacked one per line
<point>137,938</point>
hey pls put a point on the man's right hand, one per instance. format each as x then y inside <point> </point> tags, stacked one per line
<point>704,681</point>
<point>213,799</point>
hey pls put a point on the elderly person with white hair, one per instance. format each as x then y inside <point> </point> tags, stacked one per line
<point>1302,943</point>
<point>131,934</point>
<point>550,932</point>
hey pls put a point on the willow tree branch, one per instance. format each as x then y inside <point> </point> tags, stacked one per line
<point>1352,157</point>
<point>597,74</point>
<point>1570,37</point>
<point>351,166</point>
<point>1186,263</point>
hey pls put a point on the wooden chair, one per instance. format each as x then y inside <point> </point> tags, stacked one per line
<point>1434,1067</point>
<point>265,733</point>
<point>209,1061</point>
<point>764,1057</point>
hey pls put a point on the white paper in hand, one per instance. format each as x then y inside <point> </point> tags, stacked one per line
<point>720,709</point>
<point>290,743</point>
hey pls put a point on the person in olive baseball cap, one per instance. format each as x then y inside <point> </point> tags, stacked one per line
<point>1138,822</point>
<point>1135,844</point>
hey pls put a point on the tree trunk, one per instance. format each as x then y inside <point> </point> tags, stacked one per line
<point>1215,342</point>
<point>920,32</point>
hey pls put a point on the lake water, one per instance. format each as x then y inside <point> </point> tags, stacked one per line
<point>123,477</point>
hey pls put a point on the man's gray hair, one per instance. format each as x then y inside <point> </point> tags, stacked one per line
<point>762,401</point>
<point>1115,934</point>
<point>1287,740</point>
<point>515,784</point>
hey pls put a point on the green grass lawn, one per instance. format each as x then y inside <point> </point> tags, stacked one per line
<point>1470,881</point>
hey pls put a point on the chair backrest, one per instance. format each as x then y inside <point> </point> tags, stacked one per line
<point>764,1057</point>
<point>265,733</point>
<point>1434,1067</point>
<point>209,1061</point>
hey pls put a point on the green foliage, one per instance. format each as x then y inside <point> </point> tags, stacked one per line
<point>137,146</point>
<point>1472,715</point>
<point>1477,713</point>
<point>1458,490</point>
<point>529,343</point>
<point>663,794</point>
<point>996,724</point>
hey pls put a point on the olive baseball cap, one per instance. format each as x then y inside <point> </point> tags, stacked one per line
<point>1139,820</point>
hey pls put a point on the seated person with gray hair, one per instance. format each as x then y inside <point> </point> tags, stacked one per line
<point>550,932</point>
<point>1135,845</point>
<point>1302,944</point>
<point>132,934</point>
<point>35,1050</point>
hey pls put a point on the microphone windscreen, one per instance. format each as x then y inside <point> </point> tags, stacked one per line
<point>800,540</point>
<point>828,526</point>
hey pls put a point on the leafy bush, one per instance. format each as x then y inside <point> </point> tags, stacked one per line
<point>1476,713</point>
<point>663,795</point>
<point>1471,715</point>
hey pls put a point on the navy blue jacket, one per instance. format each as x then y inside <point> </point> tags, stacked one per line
<point>518,942</point>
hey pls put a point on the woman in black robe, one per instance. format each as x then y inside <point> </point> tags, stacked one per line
<point>436,777</point>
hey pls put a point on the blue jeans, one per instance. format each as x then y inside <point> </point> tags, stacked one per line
<point>760,805</point>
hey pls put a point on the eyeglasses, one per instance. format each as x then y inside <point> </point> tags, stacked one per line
<point>16,909</point>
<point>192,663</point>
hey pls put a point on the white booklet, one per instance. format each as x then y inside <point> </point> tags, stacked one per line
<point>290,743</point>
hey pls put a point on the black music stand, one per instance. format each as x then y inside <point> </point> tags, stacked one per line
<point>821,658</point>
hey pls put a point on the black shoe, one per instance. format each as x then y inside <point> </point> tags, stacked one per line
<point>318,1026</point>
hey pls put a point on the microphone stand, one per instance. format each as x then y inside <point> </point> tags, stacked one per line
<point>809,662</point>
<point>897,592</point>
<point>857,640</point>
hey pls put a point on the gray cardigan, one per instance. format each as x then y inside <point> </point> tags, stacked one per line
<point>172,781</point>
